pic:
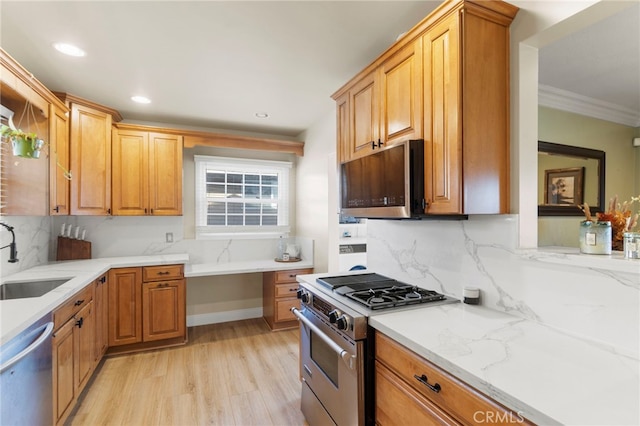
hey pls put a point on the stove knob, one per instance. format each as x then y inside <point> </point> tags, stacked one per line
<point>303,295</point>
<point>333,316</point>
<point>342,323</point>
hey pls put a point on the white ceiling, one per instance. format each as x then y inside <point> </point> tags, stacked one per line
<point>215,64</point>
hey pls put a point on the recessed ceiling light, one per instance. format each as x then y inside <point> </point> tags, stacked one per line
<point>69,49</point>
<point>262,115</point>
<point>141,99</point>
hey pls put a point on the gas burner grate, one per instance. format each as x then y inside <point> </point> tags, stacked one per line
<point>394,296</point>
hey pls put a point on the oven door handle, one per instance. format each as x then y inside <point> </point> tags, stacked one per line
<point>349,360</point>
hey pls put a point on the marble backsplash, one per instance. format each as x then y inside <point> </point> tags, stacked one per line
<point>601,304</point>
<point>32,242</point>
<point>36,239</point>
<point>583,299</point>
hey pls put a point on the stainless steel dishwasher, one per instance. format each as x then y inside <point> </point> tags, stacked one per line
<point>26,377</point>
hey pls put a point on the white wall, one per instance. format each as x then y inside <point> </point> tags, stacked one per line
<point>537,24</point>
<point>316,202</point>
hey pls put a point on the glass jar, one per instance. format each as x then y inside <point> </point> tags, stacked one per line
<point>595,237</point>
<point>632,245</point>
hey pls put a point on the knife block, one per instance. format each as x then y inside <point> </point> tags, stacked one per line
<point>71,249</point>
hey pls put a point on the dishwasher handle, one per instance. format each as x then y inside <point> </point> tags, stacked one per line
<point>349,360</point>
<point>48,329</point>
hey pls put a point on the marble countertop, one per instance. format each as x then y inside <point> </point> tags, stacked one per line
<point>547,375</point>
<point>17,314</point>
<point>240,267</point>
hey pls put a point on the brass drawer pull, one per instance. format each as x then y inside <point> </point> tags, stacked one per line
<point>423,379</point>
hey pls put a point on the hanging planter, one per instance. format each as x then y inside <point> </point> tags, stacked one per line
<point>25,145</point>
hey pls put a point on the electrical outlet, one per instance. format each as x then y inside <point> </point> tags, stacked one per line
<point>169,237</point>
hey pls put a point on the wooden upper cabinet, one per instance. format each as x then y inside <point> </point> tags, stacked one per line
<point>401,95</point>
<point>130,159</point>
<point>90,155</point>
<point>485,108</point>
<point>165,174</point>
<point>147,173</point>
<point>59,182</point>
<point>447,82</point>
<point>442,111</point>
<point>25,181</point>
<point>90,161</point>
<point>364,116</point>
<point>343,128</point>
<point>466,68</point>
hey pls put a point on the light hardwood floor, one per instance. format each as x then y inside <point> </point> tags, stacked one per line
<point>236,373</point>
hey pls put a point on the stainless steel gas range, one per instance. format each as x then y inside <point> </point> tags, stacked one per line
<point>336,347</point>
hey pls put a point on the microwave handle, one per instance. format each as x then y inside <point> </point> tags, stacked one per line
<point>349,359</point>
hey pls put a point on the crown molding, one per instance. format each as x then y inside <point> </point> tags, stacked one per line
<point>565,100</point>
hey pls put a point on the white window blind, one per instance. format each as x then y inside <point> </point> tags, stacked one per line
<point>241,197</point>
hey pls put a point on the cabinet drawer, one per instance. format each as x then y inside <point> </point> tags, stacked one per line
<point>286,290</point>
<point>283,309</point>
<point>290,275</point>
<point>398,404</point>
<point>162,272</point>
<point>454,396</point>
<point>72,306</point>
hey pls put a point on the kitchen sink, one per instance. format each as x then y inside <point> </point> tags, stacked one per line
<point>25,289</point>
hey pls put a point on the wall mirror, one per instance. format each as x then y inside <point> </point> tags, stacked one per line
<point>569,176</point>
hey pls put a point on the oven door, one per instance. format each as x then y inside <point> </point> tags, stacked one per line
<point>332,368</point>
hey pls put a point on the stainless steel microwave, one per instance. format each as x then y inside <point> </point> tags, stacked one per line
<point>388,183</point>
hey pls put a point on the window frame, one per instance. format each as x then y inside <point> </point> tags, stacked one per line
<point>243,166</point>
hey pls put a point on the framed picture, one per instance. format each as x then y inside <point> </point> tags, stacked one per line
<point>564,187</point>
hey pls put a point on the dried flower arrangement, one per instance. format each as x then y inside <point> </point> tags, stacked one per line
<point>621,218</point>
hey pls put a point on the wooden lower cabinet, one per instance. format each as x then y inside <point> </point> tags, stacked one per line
<point>411,390</point>
<point>101,302</point>
<point>279,296</point>
<point>125,304</point>
<point>398,403</point>
<point>147,307</point>
<point>163,310</point>
<point>73,351</point>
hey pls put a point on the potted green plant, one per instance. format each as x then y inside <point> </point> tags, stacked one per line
<point>24,144</point>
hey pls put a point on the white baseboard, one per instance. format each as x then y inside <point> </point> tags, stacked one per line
<point>226,316</point>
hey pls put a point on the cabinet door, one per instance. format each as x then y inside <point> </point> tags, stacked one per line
<point>165,175</point>
<point>401,95</point>
<point>84,345</point>
<point>101,300</point>
<point>63,379</point>
<point>364,116</point>
<point>125,304</point>
<point>90,161</point>
<point>59,185</point>
<point>130,191</point>
<point>164,309</point>
<point>343,131</point>
<point>442,117</point>
<point>283,309</point>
